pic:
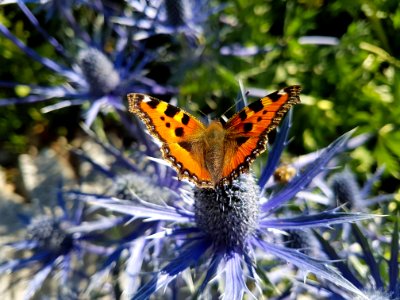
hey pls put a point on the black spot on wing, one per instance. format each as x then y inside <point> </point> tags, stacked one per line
<point>256,106</point>
<point>153,103</point>
<point>242,115</point>
<point>274,96</point>
<point>168,124</point>
<point>185,119</point>
<point>171,111</point>
<point>247,127</point>
<point>179,131</point>
<point>241,140</point>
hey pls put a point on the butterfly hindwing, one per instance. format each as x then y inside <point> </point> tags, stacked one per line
<point>178,131</point>
<point>247,130</point>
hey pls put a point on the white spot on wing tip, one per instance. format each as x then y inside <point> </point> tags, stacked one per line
<point>146,98</point>
<point>282,92</point>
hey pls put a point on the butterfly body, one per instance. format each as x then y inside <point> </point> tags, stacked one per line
<point>214,150</point>
<point>217,153</point>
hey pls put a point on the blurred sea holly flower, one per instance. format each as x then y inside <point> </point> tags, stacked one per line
<point>92,74</point>
<point>342,188</point>
<point>170,17</point>
<point>368,259</point>
<point>53,244</point>
<point>220,231</point>
<point>53,7</point>
<point>346,190</point>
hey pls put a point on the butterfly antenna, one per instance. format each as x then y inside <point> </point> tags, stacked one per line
<point>240,102</point>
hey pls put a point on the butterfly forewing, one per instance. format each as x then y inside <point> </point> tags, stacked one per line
<point>179,132</point>
<point>247,130</point>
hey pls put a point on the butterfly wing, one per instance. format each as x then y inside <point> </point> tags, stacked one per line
<point>179,132</point>
<point>247,130</point>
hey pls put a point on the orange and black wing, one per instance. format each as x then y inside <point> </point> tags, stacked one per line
<point>247,130</point>
<point>178,131</point>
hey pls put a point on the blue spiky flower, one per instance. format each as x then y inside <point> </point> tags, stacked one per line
<point>53,250</point>
<point>97,66</point>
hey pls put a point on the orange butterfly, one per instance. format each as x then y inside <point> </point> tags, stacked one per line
<point>217,153</point>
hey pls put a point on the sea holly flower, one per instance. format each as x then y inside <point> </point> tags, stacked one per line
<point>220,230</point>
<point>91,75</point>
<point>53,247</point>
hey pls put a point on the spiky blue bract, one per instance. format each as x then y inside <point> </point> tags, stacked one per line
<point>324,219</point>
<point>274,155</point>
<point>189,254</point>
<point>394,272</point>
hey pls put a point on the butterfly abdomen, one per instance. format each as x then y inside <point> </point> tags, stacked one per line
<point>214,139</point>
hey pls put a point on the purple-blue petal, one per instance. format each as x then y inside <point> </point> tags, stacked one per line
<point>342,266</point>
<point>149,212</point>
<point>50,64</point>
<point>40,29</point>
<point>308,264</point>
<point>211,271</point>
<point>93,111</point>
<point>23,100</point>
<point>37,281</point>
<point>121,159</point>
<point>235,285</point>
<point>103,170</point>
<point>18,264</point>
<point>394,275</point>
<point>276,152</point>
<point>368,256</point>
<point>134,264</point>
<point>366,189</point>
<point>323,219</point>
<point>189,254</point>
<point>21,245</point>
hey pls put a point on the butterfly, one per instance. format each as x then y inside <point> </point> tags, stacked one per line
<point>215,154</point>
